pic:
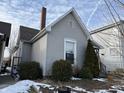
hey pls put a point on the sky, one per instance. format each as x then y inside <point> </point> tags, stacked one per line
<point>93,13</point>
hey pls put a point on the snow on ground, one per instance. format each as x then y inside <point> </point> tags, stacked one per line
<point>24,86</point>
<point>5,74</point>
<point>21,86</point>
<point>73,78</point>
<point>100,79</point>
<point>109,91</point>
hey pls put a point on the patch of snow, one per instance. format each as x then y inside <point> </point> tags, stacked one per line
<point>79,89</point>
<point>9,69</point>
<point>116,87</point>
<point>73,78</point>
<point>22,86</point>
<point>100,79</point>
<point>120,91</point>
<point>5,74</point>
<point>101,91</point>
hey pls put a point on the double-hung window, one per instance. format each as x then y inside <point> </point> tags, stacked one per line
<point>70,50</point>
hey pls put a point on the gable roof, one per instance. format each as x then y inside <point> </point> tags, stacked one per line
<point>107,27</point>
<point>76,16</point>
<point>27,33</point>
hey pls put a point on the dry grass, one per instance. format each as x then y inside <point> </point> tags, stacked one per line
<point>86,84</point>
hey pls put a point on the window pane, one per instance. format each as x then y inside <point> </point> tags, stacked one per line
<point>114,51</point>
<point>70,47</point>
<point>70,51</point>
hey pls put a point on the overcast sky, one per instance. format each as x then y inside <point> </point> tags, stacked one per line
<point>93,13</point>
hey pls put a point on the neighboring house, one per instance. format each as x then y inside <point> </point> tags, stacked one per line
<point>5,29</point>
<point>65,38</point>
<point>111,37</point>
<point>2,47</point>
<point>22,50</point>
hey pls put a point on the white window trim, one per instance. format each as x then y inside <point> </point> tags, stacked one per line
<point>75,49</point>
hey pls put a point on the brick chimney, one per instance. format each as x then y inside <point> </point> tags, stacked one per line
<point>43,18</point>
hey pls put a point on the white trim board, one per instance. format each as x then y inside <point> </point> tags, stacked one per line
<point>75,49</point>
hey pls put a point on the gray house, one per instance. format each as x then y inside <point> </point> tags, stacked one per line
<point>65,38</point>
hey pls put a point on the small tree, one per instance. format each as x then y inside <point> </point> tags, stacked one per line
<point>91,60</point>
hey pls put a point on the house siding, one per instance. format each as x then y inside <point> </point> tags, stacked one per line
<point>67,28</point>
<point>2,47</point>
<point>26,52</point>
<point>39,52</point>
<point>110,39</point>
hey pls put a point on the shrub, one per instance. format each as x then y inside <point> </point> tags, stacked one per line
<point>30,70</point>
<point>61,70</point>
<point>91,60</point>
<point>86,73</point>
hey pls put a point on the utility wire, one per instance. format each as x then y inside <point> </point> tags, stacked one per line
<point>114,10</point>
<point>121,29</point>
<point>113,16</point>
<point>119,2</point>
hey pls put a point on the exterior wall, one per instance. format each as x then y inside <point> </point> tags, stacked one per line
<point>122,42</point>
<point>67,28</point>
<point>26,52</point>
<point>111,55</point>
<point>14,36</point>
<point>2,48</point>
<point>39,49</point>
<point>111,62</point>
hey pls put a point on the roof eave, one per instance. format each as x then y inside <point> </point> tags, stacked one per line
<point>106,27</point>
<point>81,23</point>
<point>39,35</point>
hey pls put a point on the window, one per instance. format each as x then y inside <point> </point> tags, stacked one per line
<point>114,52</point>
<point>70,51</point>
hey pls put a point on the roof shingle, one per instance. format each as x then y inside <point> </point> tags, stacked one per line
<point>27,33</point>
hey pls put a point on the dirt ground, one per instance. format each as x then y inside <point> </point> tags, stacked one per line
<point>86,84</point>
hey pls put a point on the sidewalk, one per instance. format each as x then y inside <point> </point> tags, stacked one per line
<point>6,81</point>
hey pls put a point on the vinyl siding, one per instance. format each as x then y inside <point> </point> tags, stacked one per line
<point>67,28</point>
<point>39,52</point>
